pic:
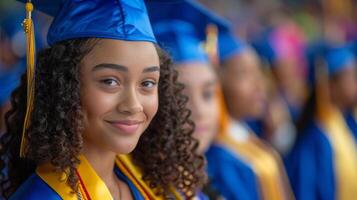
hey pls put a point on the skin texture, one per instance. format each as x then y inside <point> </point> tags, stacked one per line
<point>343,87</point>
<point>243,85</point>
<point>200,86</point>
<point>123,78</point>
<point>80,107</point>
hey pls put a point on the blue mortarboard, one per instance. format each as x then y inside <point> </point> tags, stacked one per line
<point>264,48</point>
<point>338,59</point>
<point>114,19</point>
<point>181,33</point>
<point>229,45</point>
<point>186,10</point>
<point>180,40</point>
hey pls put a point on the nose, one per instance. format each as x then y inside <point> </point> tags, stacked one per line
<point>196,106</point>
<point>129,102</point>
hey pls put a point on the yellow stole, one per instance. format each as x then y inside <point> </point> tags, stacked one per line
<point>345,153</point>
<point>265,163</point>
<point>94,185</point>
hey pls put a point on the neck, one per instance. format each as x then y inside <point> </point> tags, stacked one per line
<point>101,160</point>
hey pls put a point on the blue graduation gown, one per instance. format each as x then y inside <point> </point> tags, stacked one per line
<point>229,175</point>
<point>351,123</point>
<point>34,188</point>
<point>310,165</point>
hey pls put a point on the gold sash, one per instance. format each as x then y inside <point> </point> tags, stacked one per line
<point>265,163</point>
<point>345,153</point>
<point>94,185</point>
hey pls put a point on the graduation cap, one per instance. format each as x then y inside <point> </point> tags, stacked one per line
<point>122,20</point>
<point>229,45</point>
<point>180,40</point>
<point>338,59</point>
<point>112,19</point>
<point>182,34</point>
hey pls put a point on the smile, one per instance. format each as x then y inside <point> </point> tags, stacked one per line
<point>126,126</point>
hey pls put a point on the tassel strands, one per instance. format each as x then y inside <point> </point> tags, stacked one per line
<point>30,52</point>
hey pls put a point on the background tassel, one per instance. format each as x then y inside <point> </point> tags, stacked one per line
<point>30,52</point>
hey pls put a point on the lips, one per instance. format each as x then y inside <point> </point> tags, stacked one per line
<point>126,126</point>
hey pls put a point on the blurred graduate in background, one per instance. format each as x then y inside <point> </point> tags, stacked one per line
<point>323,162</point>
<point>244,94</point>
<point>184,38</point>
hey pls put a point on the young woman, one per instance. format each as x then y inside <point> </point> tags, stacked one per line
<point>323,161</point>
<point>240,165</point>
<point>182,36</point>
<point>108,118</point>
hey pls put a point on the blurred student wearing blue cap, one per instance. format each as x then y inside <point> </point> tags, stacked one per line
<point>104,115</point>
<point>183,37</point>
<point>244,95</point>
<point>323,162</point>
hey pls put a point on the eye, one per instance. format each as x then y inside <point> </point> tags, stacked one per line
<point>148,84</point>
<point>208,95</point>
<point>110,82</point>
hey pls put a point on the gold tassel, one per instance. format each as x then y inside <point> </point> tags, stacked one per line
<point>30,52</point>
<point>211,44</point>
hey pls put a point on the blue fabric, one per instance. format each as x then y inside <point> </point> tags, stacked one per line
<point>264,48</point>
<point>186,10</point>
<point>34,188</point>
<point>229,45</point>
<point>182,35</point>
<point>310,166</point>
<point>113,19</point>
<point>202,196</point>
<point>351,123</point>
<point>9,80</point>
<point>134,191</point>
<point>180,40</point>
<point>230,176</point>
<point>339,59</point>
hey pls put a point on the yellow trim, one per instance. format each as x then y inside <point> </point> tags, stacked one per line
<point>345,153</point>
<point>56,181</point>
<point>265,163</point>
<point>126,166</point>
<point>94,185</point>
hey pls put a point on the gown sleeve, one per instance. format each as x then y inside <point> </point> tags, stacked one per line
<point>310,166</point>
<point>230,176</point>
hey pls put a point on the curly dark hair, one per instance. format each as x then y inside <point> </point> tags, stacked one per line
<point>166,152</point>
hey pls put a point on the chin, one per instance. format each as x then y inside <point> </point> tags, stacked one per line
<point>125,147</point>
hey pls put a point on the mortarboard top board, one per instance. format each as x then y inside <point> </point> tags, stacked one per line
<point>112,19</point>
<point>338,59</point>
<point>183,43</point>
<point>229,45</point>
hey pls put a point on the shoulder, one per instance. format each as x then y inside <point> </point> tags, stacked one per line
<point>314,138</point>
<point>220,157</point>
<point>34,188</point>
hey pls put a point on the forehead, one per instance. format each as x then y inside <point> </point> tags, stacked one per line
<point>127,53</point>
<point>195,73</point>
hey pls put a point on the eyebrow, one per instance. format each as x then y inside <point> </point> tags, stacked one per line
<point>110,66</point>
<point>151,69</point>
<point>123,68</point>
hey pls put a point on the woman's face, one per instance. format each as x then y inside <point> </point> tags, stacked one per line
<point>243,86</point>
<point>119,93</point>
<point>200,86</point>
<point>344,88</point>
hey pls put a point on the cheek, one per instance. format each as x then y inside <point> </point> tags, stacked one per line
<point>96,103</point>
<point>150,105</point>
